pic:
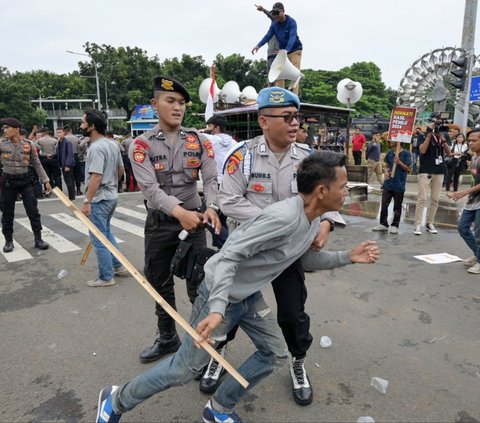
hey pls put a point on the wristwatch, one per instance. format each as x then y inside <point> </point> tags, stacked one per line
<point>86,201</point>
<point>332,223</point>
<point>214,207</point>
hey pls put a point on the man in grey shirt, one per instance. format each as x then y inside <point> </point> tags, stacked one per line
<point>103,169</point>
<point>254,254</point>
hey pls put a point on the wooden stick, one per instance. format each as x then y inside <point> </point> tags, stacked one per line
<point>394,167</point>
<point>146,285</point>
<point>88,248</point>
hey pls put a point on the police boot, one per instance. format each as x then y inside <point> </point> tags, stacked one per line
<point>8,248</point>
<point>39,242</point>
<point>302,390</point>
<point>160,348</point>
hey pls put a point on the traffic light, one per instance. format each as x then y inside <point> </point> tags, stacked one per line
<point>460,72</point>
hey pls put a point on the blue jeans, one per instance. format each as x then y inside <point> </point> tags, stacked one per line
<point>472,239</point>
<point>415,156</point>
<point>100,214</point>
<point>254,317</point>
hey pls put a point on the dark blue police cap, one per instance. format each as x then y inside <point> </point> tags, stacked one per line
<point>168,84</point>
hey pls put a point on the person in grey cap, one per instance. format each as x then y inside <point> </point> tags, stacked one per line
<point>231,293</point>
<point>167,162</point>
<point>16,155</point>
<point>260,172</point>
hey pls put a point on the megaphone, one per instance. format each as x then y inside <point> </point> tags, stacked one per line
<point>282,68</point>
<point>348,91</point>
<point>204,89</point>
<point>249,95</point>
<point>230,92</point>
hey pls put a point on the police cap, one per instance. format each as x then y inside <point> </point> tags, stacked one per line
<point>168,84</point>
<point>277,97</point>
<point>14,123</point>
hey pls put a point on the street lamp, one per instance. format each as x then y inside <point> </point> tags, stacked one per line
<point>96,75</point>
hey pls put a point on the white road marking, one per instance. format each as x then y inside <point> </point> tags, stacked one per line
<point>75,224</point>
<point>58,242</point>
<point>127,227</point>
<point>19,253</point>
<point>132,213</point>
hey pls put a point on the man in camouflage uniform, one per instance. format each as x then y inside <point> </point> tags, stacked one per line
<point>167,162</point>
<point>16,155</point>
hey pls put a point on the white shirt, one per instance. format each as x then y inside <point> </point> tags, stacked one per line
<point>221,143</point>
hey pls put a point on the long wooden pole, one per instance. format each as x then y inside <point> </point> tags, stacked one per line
<point>146,285</point>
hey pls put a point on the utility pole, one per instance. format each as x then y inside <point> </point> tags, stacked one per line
<point>468,44</point>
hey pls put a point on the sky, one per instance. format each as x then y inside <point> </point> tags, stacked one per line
<point>334,33</point>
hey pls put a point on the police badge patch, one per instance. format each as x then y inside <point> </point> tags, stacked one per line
<point>233,163</point>
<point>138,156</point>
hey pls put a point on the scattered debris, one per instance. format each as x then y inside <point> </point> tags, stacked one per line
<point>62,274</point>
<point>318,365</point>
<point>379,384</point>
<point>325,342</point>
<point>365,419</point>
<point>436,339</point>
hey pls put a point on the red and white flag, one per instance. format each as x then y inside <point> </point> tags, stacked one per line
<point>211,96</point>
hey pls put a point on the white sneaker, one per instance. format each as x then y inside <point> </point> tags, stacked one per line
<point>430,228</point>
<point>475,269</point>
<point>100,282</point>
<point>418,230</point>
<point>120,271</point>
<point>380,228</point>
<point>393,230</point>
<point>470,261</point>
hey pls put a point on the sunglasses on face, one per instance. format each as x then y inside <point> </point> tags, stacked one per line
<point>287,118</point>
<point>275,13</point>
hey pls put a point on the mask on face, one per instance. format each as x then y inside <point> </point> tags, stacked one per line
<point>86,132</point>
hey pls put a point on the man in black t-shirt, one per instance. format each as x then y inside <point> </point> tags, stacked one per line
<point>430,176</point>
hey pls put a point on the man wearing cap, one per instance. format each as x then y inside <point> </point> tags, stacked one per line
<point>16,155</point>
<point>167,162</point>
<point>258,173</point>
<point>302,133</point>
<point>272,48</point>
<point>284,27</point>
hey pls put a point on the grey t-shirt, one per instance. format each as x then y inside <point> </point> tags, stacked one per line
<point>104,158</point>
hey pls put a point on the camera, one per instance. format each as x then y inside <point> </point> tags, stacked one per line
<point>440,120</point>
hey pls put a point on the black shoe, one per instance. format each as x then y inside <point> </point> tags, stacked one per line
<point>41,244</point>
<point>8,248</point>
<point>159,349</point>
<point>79,192</point>
<point>211,377</point>
<point>302,390</point>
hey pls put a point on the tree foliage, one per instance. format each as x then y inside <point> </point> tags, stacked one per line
<point>126,79</point>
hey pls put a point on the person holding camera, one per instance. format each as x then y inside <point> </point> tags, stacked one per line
<point>430,176</point>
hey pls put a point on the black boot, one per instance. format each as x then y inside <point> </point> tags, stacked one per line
<point>302,390</point>
<point>159,349</point>
<point>39,242</point>
<point>8,248</point>
<point>79,191</point>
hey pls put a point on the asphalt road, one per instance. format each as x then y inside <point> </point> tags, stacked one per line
<point>411,323</point>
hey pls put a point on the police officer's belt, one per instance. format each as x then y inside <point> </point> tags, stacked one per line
<point>161,216</point>
<point>13,177</point>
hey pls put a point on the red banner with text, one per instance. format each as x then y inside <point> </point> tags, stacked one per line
<point>402,122</point>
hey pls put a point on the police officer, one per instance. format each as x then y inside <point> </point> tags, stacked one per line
<point>261,172</point>
<point>78,172</point>
<point>48,156</point>
<point>167,162</point>
<point>16,156</point>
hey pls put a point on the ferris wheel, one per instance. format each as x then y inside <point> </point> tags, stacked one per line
<point>425,84</point>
